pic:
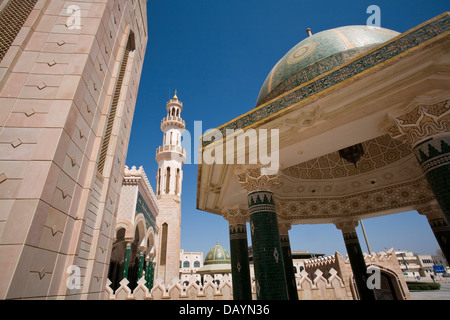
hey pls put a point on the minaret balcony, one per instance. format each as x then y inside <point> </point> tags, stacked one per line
<point>172,121</point>
<point>168,151</point>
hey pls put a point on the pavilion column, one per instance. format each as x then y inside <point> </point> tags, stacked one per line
<point>141,264</point>
<point>356,257</point>
<point>284,228</point>
<point>126,262</point>
<point>240,266</point>
<point>266,243</point>
<point>439,226</point>
<point>425,127</point>
<point>149,272</point>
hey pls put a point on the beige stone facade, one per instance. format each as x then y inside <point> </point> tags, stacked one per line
<point>68,87</point>
<point>136,229</point>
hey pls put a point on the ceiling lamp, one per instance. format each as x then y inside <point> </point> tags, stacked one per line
<point>352,154</point>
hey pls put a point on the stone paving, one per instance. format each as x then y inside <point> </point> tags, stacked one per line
<point>442,294</point>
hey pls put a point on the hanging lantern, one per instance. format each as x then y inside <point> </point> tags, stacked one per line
<point>352,154</point>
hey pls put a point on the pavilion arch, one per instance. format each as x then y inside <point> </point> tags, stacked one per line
<point>127,226</point>
<point>140,230</point>
<point>150,241</point>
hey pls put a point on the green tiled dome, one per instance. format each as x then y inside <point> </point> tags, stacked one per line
<point>217,255</point>
<point>318,54</point>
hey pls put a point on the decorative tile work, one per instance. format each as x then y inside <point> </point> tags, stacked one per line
<point>379,152</point>
<point>240,263</point>
<point>399,45</point>
<point>356,257</point>
<point>266,245</point>
<point>439,226</point>
<point>288,267</point>
<point>141,207</point>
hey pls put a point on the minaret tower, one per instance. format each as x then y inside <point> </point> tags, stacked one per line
<point>170,157</point>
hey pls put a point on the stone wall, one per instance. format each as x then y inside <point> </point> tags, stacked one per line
<point>328,278</point>
<point>220,288</point>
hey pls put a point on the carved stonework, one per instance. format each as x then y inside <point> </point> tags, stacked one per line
<point>235,216</point>
<point>378,152</point>
<point>435,217</point>
<point>261,201</point>
<point>431,210</point>
<point>347,226</point>
<point>256,179</point>
<point>416,123</point>
<point>284,226</point>
<point>433,153</point>
<point>395,196</point>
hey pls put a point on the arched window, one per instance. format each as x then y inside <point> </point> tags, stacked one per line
<point>168,180</point>
<point>126,59</point>
<point>197,264</point>
<point>177,183</point>
<point>186,264</point>
<point>163,244</point>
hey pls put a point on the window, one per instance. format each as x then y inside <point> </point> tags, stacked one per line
<point>197,264</point>
<point>12,18</point>
<point>186,264</point>
<point>164,244</point>
<point>168,180</point>
<point>115,101</point>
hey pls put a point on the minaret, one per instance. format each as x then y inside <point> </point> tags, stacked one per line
<point>170,157</point>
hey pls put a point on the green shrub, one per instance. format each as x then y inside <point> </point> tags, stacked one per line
<point>423,286</point>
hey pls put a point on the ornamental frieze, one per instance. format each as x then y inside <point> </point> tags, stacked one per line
<point>376,200</point>
<point>416,123</point>
<point>378,152</point>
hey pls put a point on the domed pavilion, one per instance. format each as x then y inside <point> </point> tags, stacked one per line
<point>217,261</point>
<point>357,124</point>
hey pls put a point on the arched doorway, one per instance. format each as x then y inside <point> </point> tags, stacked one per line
<point>387,287</point>
<point>386,290</point>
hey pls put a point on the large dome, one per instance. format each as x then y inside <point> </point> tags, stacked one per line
<point>217,255</point>
<point>318,54</point>
<point>217,261</point>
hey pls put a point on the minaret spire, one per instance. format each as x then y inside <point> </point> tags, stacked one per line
<point>171,156</point>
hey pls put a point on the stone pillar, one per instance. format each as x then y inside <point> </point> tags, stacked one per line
<point>356,257</point>
<point>141,265</point>
<point>284,228</point>
<point>149,272</point>
<point>439,226</point>
<point>266,243</point>
<point>425,127</point>
<point>240,266</point>
<point>126,262</point>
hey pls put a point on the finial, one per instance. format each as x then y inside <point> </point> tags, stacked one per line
<point>175,96</point>
<point>308,32</point>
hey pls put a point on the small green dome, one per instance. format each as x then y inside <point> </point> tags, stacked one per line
<point>217,255</point>
<point>319,53</point>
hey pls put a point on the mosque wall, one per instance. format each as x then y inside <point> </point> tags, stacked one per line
<point>68,87</point>
<point>328,278</point>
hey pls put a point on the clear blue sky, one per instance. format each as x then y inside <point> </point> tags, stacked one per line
<point>218,54</point>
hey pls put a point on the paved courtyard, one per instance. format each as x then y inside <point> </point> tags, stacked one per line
<point>443,294</point>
